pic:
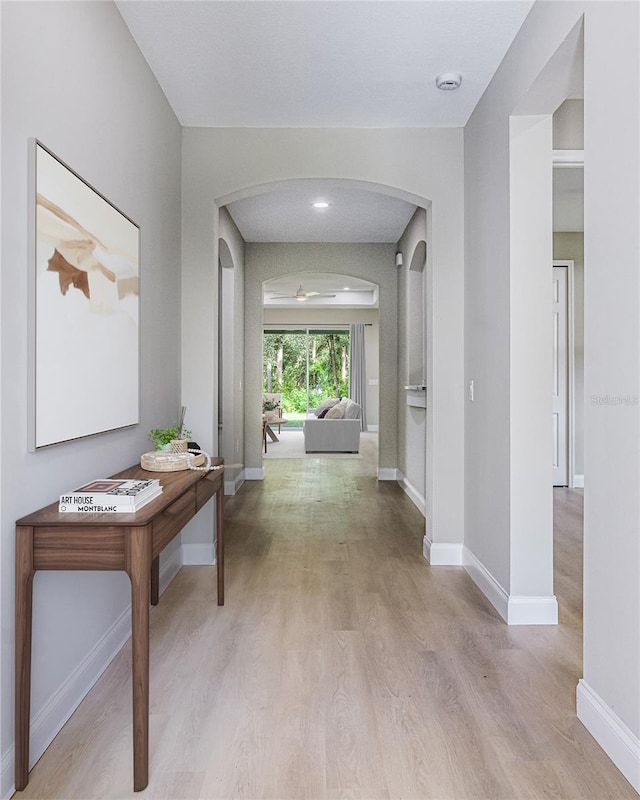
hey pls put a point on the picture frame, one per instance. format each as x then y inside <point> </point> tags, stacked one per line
<point>84,307</point>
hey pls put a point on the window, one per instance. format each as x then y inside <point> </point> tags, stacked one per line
<point>306,365</point>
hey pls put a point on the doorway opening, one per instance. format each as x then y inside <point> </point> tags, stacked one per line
<point>568,394</point>
<point>563,405</point>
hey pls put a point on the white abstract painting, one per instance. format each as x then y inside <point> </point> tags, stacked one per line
<point>86,376</point>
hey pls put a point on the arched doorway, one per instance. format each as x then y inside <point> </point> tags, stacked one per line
<point>360,255</point>
<point>307,357</point>
<point>445,519</point>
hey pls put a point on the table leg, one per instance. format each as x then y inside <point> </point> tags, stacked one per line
<point>271,433</point>
<point>24,605</point>
<point>220,542</point>
<point>155,581</point>
<point>138,565</point>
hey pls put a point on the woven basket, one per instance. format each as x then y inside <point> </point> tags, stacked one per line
<point>164,461</point>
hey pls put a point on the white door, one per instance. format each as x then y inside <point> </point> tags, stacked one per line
<point>560,406</point>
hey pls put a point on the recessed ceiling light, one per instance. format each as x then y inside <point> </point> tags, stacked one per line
<point>448,81</point>
<point>321,204</point>
<point>345,288</point>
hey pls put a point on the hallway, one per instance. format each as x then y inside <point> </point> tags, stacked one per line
<point>342,666</point>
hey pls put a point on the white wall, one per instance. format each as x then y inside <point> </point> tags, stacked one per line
<point>317,317</point>
<point>232,446</point>
<point>568,126</point>
<point>531,362</point>
<point>412,346</point>
<point>612,359</point>
<point>492,455</point>
<point>569,246</point>
<point>73,78</point>
<point>221,165</point>
<point>610,692</point>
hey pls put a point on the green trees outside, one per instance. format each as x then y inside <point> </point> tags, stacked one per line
<point>285,367</point>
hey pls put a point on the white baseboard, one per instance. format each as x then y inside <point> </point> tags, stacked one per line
<point>578,481</point>
<point>170,569</point>
<point>231,487</point>
<point>514,609</point>
<point>194,555</point>
<point>56,711</point>
<point>372,428</point>
<point>254,473</point>
<point>530,610</point>
<point>388,474</point>
<point>442,554</point>
<point>613,736</point>
<point>414,495</point>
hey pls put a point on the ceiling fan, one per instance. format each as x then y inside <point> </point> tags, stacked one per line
<point>300,295</point>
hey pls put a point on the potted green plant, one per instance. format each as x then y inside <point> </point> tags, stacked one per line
<point>269,408</point>
<point>163,437</point>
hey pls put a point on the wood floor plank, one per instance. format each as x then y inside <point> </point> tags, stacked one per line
<point>342,667</point>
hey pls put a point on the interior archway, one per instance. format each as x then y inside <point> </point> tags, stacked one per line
<point>226,411</point>
<point>347,183</point>
<point>314,311</point>
<point>379,167</point>
<point>224,254</point>
<point>419,258</point>
<point>388,309</point>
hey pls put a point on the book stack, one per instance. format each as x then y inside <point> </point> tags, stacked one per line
<point>108,496</point>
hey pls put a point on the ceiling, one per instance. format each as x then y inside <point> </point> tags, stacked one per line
<point>353,215</point>
<point>322,63</point>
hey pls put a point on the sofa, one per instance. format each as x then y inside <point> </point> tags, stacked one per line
<point>337,430</point>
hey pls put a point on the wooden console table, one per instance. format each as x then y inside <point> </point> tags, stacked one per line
<point>50,540</point>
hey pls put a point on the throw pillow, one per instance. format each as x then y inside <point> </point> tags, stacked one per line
<point>323,413</point>
<point>353,411</point>
<point>330,402</point>
<point>337,412</point>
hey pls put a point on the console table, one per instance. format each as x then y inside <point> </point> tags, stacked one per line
<point>50,540</point>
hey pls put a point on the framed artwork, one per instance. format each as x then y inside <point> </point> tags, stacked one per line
<point>84,308</point>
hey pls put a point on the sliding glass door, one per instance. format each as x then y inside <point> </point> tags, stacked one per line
<point>306,366</point>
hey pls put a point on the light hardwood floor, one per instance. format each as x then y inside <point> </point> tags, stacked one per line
<point>342,666</point>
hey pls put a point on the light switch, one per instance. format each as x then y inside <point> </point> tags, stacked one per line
<point>471,391</point>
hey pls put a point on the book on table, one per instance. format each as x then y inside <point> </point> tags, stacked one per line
<point>110,495</point>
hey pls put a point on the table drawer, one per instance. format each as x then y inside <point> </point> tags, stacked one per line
<point>172,520</point>
<point>78,548</point>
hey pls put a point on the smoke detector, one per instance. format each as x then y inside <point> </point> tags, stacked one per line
<point>448,81</point>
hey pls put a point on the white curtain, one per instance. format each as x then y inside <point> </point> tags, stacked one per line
<point>358,372</point>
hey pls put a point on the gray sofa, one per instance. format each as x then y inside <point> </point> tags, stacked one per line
<point>331,435</point>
